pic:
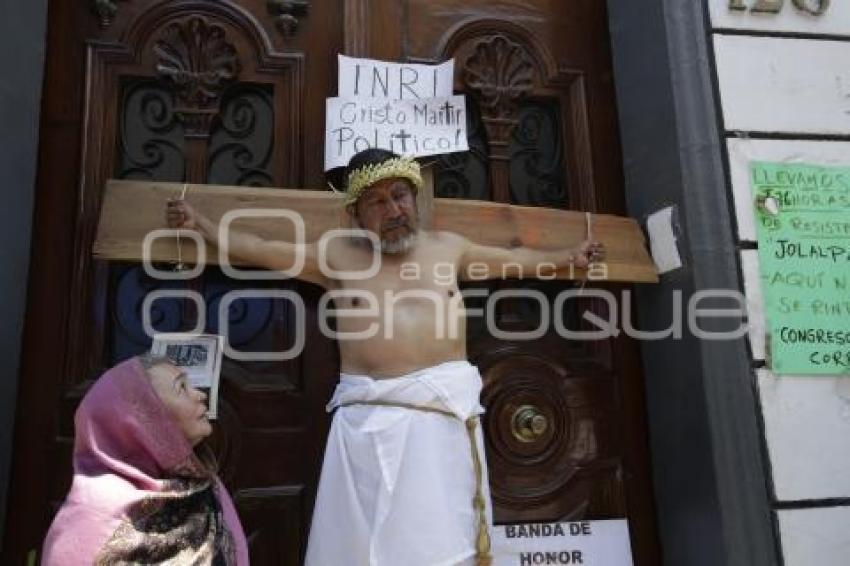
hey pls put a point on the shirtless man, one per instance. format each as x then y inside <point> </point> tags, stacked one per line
<point>404,455</point>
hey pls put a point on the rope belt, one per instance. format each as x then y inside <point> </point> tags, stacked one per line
<point>482,541</point>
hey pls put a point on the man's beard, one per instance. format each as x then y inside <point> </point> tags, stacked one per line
<point>403,243</point>
<point>400,245</point>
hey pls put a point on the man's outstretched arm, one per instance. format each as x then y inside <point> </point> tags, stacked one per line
<point>256,251</point>
<point>522,261</point>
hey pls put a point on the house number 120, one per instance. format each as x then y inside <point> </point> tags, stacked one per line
<point>813,7</point>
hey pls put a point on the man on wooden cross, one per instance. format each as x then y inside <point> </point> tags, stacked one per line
<point>404,479</point>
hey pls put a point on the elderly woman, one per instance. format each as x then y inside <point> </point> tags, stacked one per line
<point>140,493</point>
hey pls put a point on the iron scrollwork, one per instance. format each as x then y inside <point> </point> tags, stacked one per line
<point>129,286</point>
<point>465,175</point>
<point>241,143</point>
<point>151,136</point>
<point>536,156</point>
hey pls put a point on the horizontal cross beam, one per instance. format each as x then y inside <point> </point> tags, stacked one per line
<point>132,209</point>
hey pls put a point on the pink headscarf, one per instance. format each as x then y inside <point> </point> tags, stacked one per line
<point>139,493</point>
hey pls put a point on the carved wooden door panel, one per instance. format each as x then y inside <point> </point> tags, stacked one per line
<point>184,91</point>
<point>564,424</point>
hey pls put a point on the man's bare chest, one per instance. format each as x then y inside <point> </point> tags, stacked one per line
<point>428,275</point>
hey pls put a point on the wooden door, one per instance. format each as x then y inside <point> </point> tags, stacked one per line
<point>565,424</point>
<point>198,91</point>
<point>233,93</point>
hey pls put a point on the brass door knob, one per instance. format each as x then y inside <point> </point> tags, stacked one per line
<point>528,423</point>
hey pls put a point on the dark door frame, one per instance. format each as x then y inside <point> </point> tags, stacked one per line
<point>711,479</point>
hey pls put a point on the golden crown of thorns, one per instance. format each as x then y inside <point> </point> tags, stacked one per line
<point>361,179</point>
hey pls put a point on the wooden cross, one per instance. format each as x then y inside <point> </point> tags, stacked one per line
<point>132,209</point>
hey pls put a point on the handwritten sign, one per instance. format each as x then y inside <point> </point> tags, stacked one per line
<point>405,108</point>
<point>587,543</point>
<point>369,78</point>
<point>409,127</point>
<point>804,251</point>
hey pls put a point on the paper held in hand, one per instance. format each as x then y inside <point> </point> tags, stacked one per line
<point>199,355</point>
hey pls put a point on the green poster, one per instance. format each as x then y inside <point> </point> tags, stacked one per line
<point>804,251</point>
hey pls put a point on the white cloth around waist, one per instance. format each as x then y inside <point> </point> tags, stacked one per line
<point>451,386</point>
<point>397,483</point>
